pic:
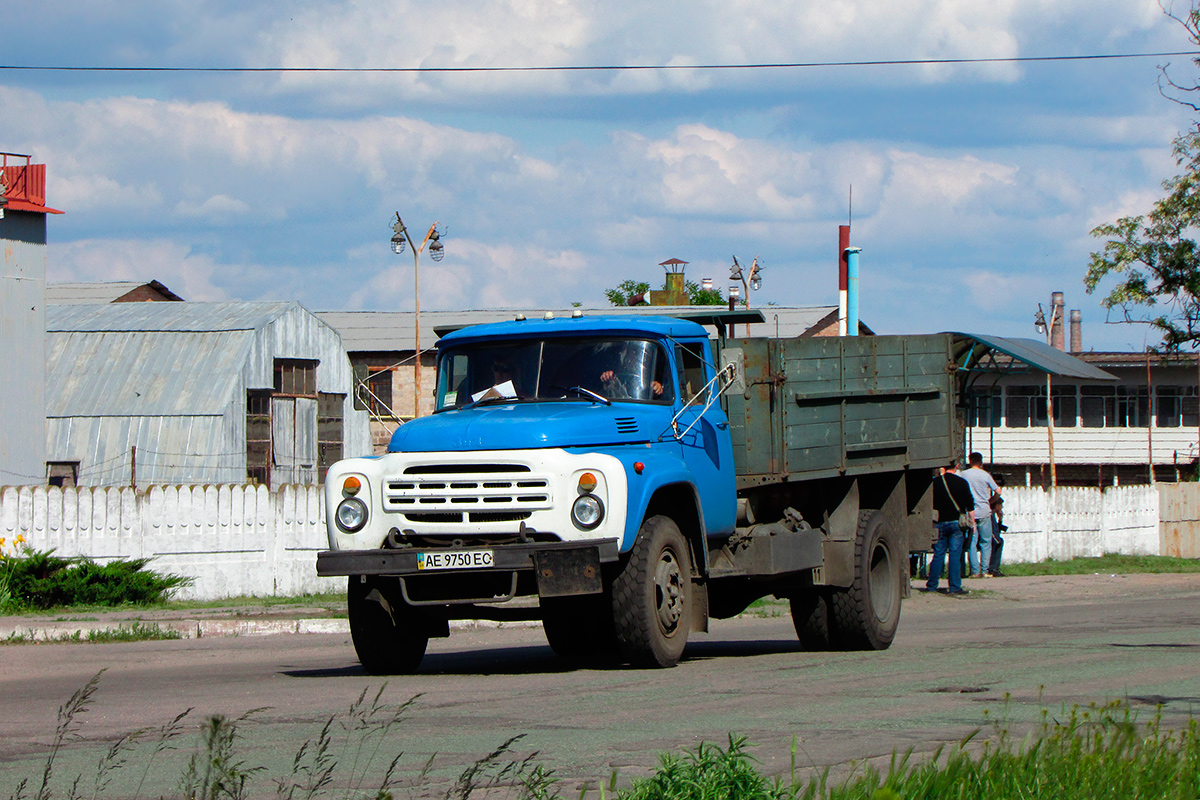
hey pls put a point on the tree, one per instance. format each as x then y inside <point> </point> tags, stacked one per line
<point>697,296</point>
<point>1155,256</point>
<point>625,290</point>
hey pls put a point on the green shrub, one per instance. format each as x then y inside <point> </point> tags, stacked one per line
<point>38,580</point>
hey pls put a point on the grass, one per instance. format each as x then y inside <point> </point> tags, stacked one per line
<point>1110,563</point>
<point>137,632</point>
<point>1094,751</point>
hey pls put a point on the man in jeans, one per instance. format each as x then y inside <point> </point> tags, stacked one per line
<point>951,497</point>
<point>982,489</point>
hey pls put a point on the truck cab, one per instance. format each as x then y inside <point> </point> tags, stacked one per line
<point>553,442</point>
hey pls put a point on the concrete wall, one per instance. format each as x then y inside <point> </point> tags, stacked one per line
<point>247,540</point>
<point>1180,530</point>
<point>231,540</point>
<point>1074,522</point>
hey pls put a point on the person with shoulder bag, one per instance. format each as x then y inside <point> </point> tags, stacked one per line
<point>952,507</point>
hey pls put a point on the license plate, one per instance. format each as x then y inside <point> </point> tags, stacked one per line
<point>455,559</point>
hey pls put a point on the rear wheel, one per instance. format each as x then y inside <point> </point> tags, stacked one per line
<point>810,616</point>
<point>652,603</point>
<point>865,615</point>
<point>387,637</point>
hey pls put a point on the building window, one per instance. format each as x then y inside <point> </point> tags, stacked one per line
<point>1026,406</point>
<point>1098,406</point>
<point>1177,406</point>
<point>1065,400</point>
<point>374,391</point>
<point>329,431</point>
<point>62,473</point>
<point>984,409</point>
<point>1133,407</point>
<point>295,377</point>
<point>258,437</point>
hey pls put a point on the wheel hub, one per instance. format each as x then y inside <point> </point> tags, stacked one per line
<point>668,591</point>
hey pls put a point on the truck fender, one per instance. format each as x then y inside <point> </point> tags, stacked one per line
<point>668,490</point>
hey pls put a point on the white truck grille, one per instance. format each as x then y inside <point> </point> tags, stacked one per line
<point>467,493</point>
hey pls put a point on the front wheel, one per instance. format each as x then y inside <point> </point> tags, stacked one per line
<point>652,603</point>
<point>387,638</point>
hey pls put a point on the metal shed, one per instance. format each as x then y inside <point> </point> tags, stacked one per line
<point>155,393</point>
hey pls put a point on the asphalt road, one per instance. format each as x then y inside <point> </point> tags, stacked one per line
<point>1023,645</point>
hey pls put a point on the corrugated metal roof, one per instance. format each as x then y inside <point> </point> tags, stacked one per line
<point>101,292</point>
<point>143,373</point>
<point>197,317</point>
<point>1038,355</point>
<point>391,331</point>
<point>77,293</point>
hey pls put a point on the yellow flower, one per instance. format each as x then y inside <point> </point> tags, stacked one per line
<point>2,541</point>
<point>20,539</point>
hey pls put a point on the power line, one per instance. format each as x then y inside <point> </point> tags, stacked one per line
<point>598,67</point>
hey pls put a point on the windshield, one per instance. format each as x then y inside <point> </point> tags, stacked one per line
<point>554,369</point>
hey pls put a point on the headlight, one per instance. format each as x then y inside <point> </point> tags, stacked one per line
<point>351,514</point>
<point>587,512</point>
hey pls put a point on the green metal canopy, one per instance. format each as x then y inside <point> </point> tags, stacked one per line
<point>971,348</point>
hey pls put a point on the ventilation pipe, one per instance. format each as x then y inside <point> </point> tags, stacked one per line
<point>843,246</point>
<point>852,290</point>
<point>1076,331</point>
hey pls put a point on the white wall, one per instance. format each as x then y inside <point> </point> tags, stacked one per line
<point>1073,522</point>
<point>247,540</point>
<point>231,540</point>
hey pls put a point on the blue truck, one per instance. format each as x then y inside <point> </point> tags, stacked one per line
<point>638,476</point>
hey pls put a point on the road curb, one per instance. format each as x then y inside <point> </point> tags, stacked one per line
<point>210,628</point>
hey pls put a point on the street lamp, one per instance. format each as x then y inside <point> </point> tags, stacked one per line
<point>1039,322</point>
<point>437,251</point>
<point>753,280</point>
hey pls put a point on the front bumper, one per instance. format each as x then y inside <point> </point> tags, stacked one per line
<point>561,569</point>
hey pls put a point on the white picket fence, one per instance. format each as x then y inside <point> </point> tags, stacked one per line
<point>230,540</point>
<point>247,540</point>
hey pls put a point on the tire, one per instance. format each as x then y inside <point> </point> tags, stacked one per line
<point>387,639</point>
<point>580,627</point>
<point>652,602</point>
<point>810,616</point>
<point>865,615</point>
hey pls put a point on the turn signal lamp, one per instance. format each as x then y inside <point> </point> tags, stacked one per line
<point>587,482</point>
<point>351,485</point>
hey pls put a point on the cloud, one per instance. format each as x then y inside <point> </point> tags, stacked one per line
<point>479,275</point>
<point>187,274</point>
<point>508,33</point>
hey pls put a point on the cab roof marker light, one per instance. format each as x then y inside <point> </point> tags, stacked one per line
<point>548,315</point>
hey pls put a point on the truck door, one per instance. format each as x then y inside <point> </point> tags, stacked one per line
<point>706,444</point>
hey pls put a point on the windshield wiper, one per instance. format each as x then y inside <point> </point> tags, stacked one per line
<point>583,391</point>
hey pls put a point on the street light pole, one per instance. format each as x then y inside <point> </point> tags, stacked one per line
<point>433,239</point>
<point>1041,325</point>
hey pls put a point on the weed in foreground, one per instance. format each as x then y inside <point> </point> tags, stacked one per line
<point>1094,751</point>
<point>349,759</point>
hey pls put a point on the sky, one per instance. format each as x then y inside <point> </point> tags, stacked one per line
<point>971,188</point>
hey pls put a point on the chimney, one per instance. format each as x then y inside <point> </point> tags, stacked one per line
<point>1076,331</point>
<point>1056,311</point>
<point>843,245</point>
